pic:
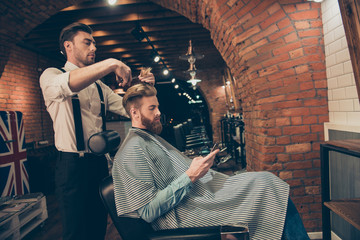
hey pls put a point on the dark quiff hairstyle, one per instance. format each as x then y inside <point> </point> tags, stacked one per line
<point>68,33</point>
<point>135,93</point>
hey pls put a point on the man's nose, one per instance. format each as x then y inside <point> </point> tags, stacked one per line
<point>93,47</point>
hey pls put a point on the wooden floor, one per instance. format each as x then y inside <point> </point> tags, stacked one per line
<point>52,228</point>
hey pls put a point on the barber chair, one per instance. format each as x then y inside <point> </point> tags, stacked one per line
<point>137,229</point>
<point>191,146</point>
<point>191,132</point>
<point>193,128</point>
<point>180,139</point>
<point>189,137</point>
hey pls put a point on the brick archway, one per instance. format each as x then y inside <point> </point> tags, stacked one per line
<point>274,49</point>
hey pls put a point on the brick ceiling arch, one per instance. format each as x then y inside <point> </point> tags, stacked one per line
<point>268,45</point>
<point>26,16</point>
<point>274,49</point>
<point>20,17</point>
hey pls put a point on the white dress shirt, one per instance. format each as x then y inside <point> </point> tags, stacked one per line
<point>57,96</point>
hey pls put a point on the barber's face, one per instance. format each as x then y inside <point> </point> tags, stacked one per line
<point>81,50</point>
<point>150,114</point>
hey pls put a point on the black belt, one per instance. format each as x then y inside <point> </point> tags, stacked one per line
<point>79,155</point>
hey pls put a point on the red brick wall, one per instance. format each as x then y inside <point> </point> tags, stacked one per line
<point>20,91</point>
<point>274,49</point>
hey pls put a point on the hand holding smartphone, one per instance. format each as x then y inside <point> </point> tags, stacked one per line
<point>201,165</point>
<point>215,146</point>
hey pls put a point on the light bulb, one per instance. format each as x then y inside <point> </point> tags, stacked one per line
<point>112,2</point>
<point>156,58</point>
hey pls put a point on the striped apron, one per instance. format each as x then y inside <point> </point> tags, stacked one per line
<point>146,164</point>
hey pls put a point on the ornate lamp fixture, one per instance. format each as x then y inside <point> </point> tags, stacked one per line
<point>193,80</point>
<point>191,57</point>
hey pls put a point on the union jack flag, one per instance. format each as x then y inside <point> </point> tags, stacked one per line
<point>14,178</point>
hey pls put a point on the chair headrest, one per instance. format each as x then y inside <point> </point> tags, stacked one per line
<point>104,142</point>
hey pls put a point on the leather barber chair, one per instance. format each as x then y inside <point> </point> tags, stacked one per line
<point>192,137</point>
<point>195,129</point>
<point>183,141</point>
<point>138,229</point>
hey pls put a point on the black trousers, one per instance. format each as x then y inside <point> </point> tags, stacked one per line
<point>77,188</point>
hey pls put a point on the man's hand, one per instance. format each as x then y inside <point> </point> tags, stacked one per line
<point>147,76</point>
<point>200,166</point>
<point>123,74</point>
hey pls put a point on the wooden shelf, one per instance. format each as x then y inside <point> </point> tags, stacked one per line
<point>348,146</point>
<point>348,209</point>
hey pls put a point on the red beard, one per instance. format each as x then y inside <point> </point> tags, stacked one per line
<point>153,126</point>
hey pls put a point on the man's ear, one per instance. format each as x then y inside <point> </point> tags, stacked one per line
<point>134,112</point>
<point>67,45</point>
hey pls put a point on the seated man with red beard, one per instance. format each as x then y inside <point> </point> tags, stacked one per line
<point>156,182</point>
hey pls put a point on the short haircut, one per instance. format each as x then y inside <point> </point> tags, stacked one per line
<point>135,93</point>
<point>68,33</point>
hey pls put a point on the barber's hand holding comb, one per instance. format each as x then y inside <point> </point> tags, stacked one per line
<point>147,76</point>
<point>144,76</point>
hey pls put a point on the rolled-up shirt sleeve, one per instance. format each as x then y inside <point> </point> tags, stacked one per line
<point>166,199</point>
<point>55,85</point>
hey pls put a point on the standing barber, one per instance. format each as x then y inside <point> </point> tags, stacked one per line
<point>78,172</point>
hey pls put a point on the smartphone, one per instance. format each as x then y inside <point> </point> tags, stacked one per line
<point>223,149</point>
<point>215,146</point>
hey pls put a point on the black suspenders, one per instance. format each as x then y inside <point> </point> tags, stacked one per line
<point>103,114</point>
<point>77,116</point>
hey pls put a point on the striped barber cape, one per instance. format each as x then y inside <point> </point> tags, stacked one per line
<point>146,164</point>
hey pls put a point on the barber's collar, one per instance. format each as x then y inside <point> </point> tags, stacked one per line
<point>144,130</point>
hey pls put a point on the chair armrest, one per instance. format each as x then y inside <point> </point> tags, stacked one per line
<point>195,233</point>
